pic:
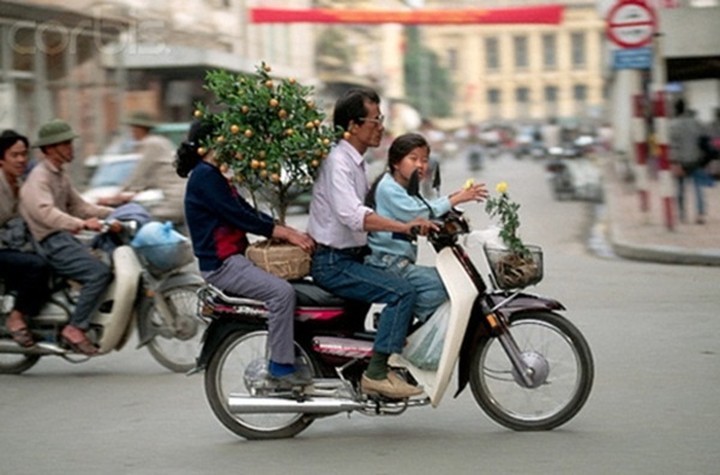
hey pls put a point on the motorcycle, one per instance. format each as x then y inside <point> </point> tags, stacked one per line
<point>151,289</point>
<point>528,367</point>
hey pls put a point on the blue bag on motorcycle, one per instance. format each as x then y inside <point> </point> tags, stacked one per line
<point>162,247</point>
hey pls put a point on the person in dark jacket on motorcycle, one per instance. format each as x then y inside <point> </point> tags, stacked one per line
<point>20,267</point>
<point>219,220</point>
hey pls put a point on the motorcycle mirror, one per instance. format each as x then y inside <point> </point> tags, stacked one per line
<point>413,188</point>
<point>436,178</point>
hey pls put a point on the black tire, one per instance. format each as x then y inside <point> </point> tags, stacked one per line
<point>176,348</point>
<point>558,350</point>
<point>16,363</point>
<point>226,373</point>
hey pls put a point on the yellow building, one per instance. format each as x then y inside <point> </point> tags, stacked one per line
<point>524,72</point>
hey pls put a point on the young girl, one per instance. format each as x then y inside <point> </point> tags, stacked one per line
<point>397,252</point>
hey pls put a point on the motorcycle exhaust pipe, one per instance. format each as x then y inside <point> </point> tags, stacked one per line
<point>9,346</point>
<point>257,405</point>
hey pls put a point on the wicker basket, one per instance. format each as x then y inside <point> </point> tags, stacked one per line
<point>163,258</point>
<point>514,271</point>
<point>286,261</point>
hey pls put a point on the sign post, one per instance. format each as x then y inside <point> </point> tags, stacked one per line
<point>631,26</point>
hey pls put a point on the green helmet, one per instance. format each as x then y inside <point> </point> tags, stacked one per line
<point>140,119</point>
<point>55,131</point>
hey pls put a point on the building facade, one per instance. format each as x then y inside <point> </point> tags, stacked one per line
<point>525,73</point>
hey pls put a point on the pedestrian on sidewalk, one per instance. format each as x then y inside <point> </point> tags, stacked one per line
<point>686,157</point>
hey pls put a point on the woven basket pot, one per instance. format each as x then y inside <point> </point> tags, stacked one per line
<point>284,260</point>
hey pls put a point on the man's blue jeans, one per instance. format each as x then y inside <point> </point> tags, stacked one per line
<point>342,272</point>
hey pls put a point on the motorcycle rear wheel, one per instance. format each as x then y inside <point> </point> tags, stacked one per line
<point>226,373</point>
<point>563,364</point>
<point>176,348</point>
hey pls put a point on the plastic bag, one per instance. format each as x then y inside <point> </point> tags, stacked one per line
<point>489,236</point>
<point>425,346</point>
<point>156,233</point>
<point>162,247</point>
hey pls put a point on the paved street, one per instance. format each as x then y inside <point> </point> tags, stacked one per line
<point>653,329</point>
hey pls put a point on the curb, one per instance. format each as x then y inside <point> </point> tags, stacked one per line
<point>663,254</point>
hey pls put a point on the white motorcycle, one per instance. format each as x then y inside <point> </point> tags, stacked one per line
<point>529,368</point>
<point>151,288</point>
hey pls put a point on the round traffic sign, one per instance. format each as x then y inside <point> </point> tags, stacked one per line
<point>631,24</point>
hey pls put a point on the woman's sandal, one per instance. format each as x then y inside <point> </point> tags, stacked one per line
<point>85,347</point>
<point>22,337</point>
<point>81,345</point>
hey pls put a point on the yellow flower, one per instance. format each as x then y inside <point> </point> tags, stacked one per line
<point>468,183</point>
<point>506,211</point>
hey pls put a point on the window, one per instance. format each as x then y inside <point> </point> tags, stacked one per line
<point>492,54</point>
<point>580,93</point>
<point>522,95</point>
<point>520,45</point>
<point>549,43</point>
<point>493,96</point>
<point>551,94</point>
<point>577,42</point>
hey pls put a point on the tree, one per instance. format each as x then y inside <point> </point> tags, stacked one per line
<point>427,85</point>
<point>270,134</point>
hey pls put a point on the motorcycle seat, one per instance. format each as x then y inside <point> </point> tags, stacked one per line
<point>308,295</point>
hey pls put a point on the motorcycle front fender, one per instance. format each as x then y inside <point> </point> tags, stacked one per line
<point>479,328</point>
<point>146,330</point>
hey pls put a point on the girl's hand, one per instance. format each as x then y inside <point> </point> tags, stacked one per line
<point>470,192</point>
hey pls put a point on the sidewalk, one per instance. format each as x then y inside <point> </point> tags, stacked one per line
<point>639,235</point>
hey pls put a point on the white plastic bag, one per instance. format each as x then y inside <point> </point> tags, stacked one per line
<point>489,236</point>
<point>425,346</point>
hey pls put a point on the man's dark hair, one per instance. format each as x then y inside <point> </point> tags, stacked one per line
<point>351,106</point>
<point>8,138</point>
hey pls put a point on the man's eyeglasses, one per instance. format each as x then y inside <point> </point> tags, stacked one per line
<point>379,120</point>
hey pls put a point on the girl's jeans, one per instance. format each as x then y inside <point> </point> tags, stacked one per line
<point>425,280</point>
<point>342,272</point>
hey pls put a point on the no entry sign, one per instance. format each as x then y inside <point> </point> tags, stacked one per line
<point>631,24</point>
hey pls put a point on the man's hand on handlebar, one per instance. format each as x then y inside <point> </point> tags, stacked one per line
<point>92,224</point>
<point>421,227</point>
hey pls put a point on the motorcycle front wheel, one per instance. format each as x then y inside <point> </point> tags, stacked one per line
<point>238,361</point>
<point>176,346</point>
<point>562,372</point>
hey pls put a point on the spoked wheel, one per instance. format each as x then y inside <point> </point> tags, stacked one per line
<point>561,371</point>
<point>239,363</point>
<point>176,346</point>
<point>16,363</point>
